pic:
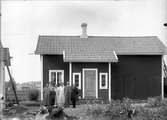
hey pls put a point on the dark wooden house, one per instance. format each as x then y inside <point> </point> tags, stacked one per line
<point>104,67</point>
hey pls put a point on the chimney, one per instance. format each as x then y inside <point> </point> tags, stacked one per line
<point>84,30</point>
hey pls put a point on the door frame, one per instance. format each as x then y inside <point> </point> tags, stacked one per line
<point>83,81</point>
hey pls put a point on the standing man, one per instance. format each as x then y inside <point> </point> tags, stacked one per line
<point>74,95</point>
<point>67,94</point>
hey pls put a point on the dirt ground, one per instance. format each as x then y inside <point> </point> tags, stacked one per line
<point>19,115</point>
<point>78,112</point>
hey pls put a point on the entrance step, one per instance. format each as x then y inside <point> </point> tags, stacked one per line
<point>92,101</point>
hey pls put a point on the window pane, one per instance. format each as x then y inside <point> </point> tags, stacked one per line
<point>52,76</point>
<point>76,77</point>
<point>103,80</point>
<point>103,76</point>
<point>77,80</point>
<point>59,77</point>
<point>54,79</point>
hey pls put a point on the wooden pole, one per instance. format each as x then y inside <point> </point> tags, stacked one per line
<point>11,80</point>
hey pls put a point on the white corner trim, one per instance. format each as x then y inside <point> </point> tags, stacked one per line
<point>83,71</point>
<point>96,83</point>
<point>79,74</point>
<point>162,77</point>
<point>106,81</point>
<point>115,55</point>
<point>63,54</point>
<point>109,79</point>
<point>41,59</point>
<point>70,73</point>
<point>83,84</point>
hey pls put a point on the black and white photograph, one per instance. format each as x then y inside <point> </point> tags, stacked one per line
<point>83,60</point>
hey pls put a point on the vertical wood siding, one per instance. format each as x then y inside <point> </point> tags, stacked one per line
<point>54,62</point>
<point>136,77</point>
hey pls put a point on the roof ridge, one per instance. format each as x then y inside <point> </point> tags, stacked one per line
<point>97,36</point>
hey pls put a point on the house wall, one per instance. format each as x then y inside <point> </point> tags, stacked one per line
<point>136,77</point>
<point>102,67</point>
<point>54,62</point>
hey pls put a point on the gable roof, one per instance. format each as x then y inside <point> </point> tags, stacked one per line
<point>147,45</point>
<point>90,56</point>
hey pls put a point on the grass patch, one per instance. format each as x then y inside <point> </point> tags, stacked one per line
<point>155,109</point>
<point>31,103</point>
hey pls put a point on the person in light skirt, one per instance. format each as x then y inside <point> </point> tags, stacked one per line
<point>61,98</point>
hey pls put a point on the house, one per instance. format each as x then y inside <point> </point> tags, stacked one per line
<point>104,67</point>
<point>2,78</point>
<point>4,60</point>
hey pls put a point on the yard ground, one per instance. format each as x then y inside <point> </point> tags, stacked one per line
<point>78,112</point>
<point>152,109</point>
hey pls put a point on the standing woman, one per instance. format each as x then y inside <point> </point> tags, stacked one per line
<point>56,94</point>
<point>46,93</point>
<point>61,98</point>
<point>52,94</point>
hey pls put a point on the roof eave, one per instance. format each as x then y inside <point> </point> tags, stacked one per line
<point>91,61</point>
<point>118,53</point>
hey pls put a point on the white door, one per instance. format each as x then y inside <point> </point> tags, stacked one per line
<point>90,89</point>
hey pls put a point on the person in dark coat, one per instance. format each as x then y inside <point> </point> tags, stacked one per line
<point>52,95</point>
<point>74,95</point>
<point>46,93</point>
<point>67,94</point>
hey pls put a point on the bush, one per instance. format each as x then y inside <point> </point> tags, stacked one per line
<point>164,102</point>
<point>94,110</point>
<point>115,110</point>
<point>154,101</point>
<point>126,109</point>
<point>33,94</point>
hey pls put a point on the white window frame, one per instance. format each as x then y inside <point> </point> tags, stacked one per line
<point>79,74</point>
<point>106,81</point>
<point>62,71</point>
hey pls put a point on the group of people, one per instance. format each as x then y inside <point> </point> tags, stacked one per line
<point>60,95</point>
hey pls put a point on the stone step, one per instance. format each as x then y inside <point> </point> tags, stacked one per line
<point>92,101</point>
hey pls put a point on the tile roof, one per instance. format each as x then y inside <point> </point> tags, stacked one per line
<point>147,45</point>
<point>5,56</point>
<point>90,56</point>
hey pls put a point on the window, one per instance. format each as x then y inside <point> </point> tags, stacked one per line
<point>103,81</point>
<point>56,75</point>
<point>77,79</point>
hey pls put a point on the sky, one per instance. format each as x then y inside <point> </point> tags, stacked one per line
<point>23,21</point>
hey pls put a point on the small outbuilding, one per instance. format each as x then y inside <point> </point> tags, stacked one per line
<point>104,67</point>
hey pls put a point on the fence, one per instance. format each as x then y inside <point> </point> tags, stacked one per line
<point>21,94</point>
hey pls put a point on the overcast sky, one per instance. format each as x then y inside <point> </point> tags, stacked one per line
<point>24,21</point>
